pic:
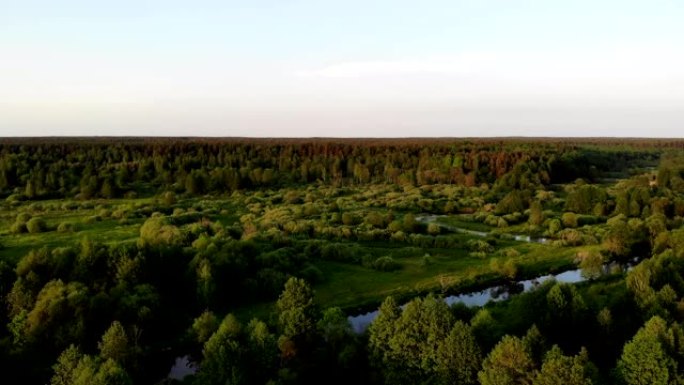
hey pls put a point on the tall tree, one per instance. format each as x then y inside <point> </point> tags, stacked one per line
<point>114,343</point>
<point>509,363</point>
<point>458,356</point>
<point>644,359</point>
<point>560,369</point>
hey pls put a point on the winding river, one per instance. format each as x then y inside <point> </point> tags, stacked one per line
<point>360,322</point>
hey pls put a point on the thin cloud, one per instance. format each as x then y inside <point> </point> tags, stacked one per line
<point>619,65</point>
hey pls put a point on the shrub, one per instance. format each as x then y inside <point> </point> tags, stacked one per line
<point>554,226</point>
<point>157,232</point>
<point>375,219</point>
<point>395,226</point>
<point>16,198</point>
<point>69,206</point>
<point>91,219</point>
<point>571,237</point>
<point>478,254</point>
<point>312,274</point>
<point>398,236</point>
<point>478,245</point>
<point>23,217</point>
<point>569,220</point>
<point>433,229</point>
<point>511,252</point>
<point>65,227</point>
<point>169,198</point>
<point>119,213</point>
<point>18,228</point>
<point>105,213</point>
<point>385,263</point>
<point>501,223</point>
<point>348,219</point>
<point>292,197</point>
<point>36,225</point>
<point>36,207</point>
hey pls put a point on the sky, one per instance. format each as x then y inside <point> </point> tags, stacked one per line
<point>323,68</point>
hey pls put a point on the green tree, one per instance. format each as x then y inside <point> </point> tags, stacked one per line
<point>644,359</point>
<point>484,328</point>
<point>591,263</point>
<point>536,217</point>
<point>223,355</point>
<point>36,225</point>
<point>204,326</point>
<point>458,356</point>
<point>382,329</point>
<point>262,351</point>
<point>65,366</point>
<point>157,232</point>
<point>508,363</point>
<point>296,309</point>
<point>114,343</point>
<point>569,220</point>
<point>560,369</point>
<point>334,326</point>
<point>74,368</point>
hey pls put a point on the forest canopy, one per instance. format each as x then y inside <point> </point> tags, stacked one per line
<point>257,261</point>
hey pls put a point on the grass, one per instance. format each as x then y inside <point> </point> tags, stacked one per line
<point>352,286</point>
<point>107,231</point>
<point>456,221</point>
<point>346,285</point>
<point>54,212</point>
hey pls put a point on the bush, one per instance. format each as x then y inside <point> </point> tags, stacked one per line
<point>69,206</point>
<point>65,227</point>
<point>554,226</point>
<point>398,236</point>
<point>433,229</point>
<point>36,225</point>
<point>571,237</point>
<point>18,228</point>
<point>23,217</point>
<point>16,198</point>
<point>477,245</point>
<point>569,220</point>
<point>385,263</point>
<point>91,219</point>
<point>36,207</point>
<point>119,214</point>
<point>169,198</point>
<point>157,232</point>
<point>478,254</point>
<point>104,213</point>
<point>312,274</point>
<point>348,219</point>
<point>511,252</point>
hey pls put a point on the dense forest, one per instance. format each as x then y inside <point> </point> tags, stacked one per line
<point>257,261</point>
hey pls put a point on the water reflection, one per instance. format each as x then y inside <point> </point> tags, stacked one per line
<point>182,368</point>
<point>500,292</point>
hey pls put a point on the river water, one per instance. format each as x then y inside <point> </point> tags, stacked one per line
<point>360,322</point>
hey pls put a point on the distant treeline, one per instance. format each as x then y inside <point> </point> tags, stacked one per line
<point>34,168</point>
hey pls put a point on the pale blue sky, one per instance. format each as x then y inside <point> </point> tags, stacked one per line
<point>342,68</point>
